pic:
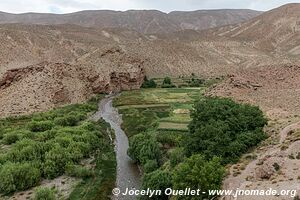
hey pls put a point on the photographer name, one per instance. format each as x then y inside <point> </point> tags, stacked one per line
<point>169,191</point>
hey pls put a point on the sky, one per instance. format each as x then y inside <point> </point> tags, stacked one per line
<point>68,6</point>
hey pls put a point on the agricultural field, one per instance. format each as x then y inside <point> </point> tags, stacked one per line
<point>58,154</point>
<point>158,108</point>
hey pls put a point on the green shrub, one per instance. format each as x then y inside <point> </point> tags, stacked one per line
<point>10,138</point>
<point>276,166</point>
<point>167,83</point>
<point>42,193</point>
<point>150,166</point>
<point>70,120</point>
<point>144,147</point>
<point>41,126</point>
<point>18,176</point>
<point>157,180</point>
<point>148,83</point>
<point>78,171</point>
<point>197,173</point>
<point>177,155</point>
<point>55,162</point>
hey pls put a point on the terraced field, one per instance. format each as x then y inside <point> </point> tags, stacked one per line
<point>157,109</point>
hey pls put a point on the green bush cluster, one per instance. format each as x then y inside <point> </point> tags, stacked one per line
<point>40,126</point>
<point>167,83</point>
<point>144,147</point>
<point>18,176</point>
<point>47,145</point>
<point>149,83</point>
<point>220,127</point>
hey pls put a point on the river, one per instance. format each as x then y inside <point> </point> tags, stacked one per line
<point>128,174</point>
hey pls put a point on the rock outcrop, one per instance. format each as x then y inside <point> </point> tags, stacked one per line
<point>47,85</point>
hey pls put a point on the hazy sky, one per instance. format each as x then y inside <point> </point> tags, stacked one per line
<point>66,6</point>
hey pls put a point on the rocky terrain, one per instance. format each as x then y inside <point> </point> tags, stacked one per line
<point>270,87</point>
<point>109,51</point>
<point>48,85</point>
<point>143,21</point>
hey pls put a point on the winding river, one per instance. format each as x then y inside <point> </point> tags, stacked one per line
<point>128,174</point>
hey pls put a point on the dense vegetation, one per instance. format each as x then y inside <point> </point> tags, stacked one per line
<point>149,83</point>
<point>219,131</point>
<point>223,128</point>
<point>47,145</point>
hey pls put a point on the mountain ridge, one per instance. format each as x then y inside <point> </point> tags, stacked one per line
<point>143,21</point>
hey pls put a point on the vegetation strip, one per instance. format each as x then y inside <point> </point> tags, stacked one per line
<point>48,145</point>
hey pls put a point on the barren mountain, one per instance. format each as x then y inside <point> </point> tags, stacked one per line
<point>205,19</point>
<point>274,31</point>
<point>143,21</point>
<point>209,53</point>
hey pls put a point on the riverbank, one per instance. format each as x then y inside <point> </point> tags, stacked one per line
<point>128,174</point>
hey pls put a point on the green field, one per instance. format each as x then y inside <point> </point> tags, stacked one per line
<point>158,108</point>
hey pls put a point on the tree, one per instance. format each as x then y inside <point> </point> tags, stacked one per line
<point>167,81</point>
<point>144,147</point>
<point>149,83</point>
<point>150,166</point>
<point>176,156</point>
<point>220,127</point>
<point>197,173</point>
<point>157,180</point>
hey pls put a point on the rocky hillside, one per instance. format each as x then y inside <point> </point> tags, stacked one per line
<point>274,31</point>
<point>111,52</point>
<point>47,85</point>
<point>270,87</point>
<point>143,21</point>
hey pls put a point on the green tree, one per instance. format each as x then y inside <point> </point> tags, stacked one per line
<point>197,173</point>
<point>167,81</point>
<point>149,83</point>
<point>144,147</point>
<point>150,166</point>
<point>177,155</point>
<point>220,127</point>
<point>157,180</point>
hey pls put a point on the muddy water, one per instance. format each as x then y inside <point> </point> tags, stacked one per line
<point>128,174</point>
